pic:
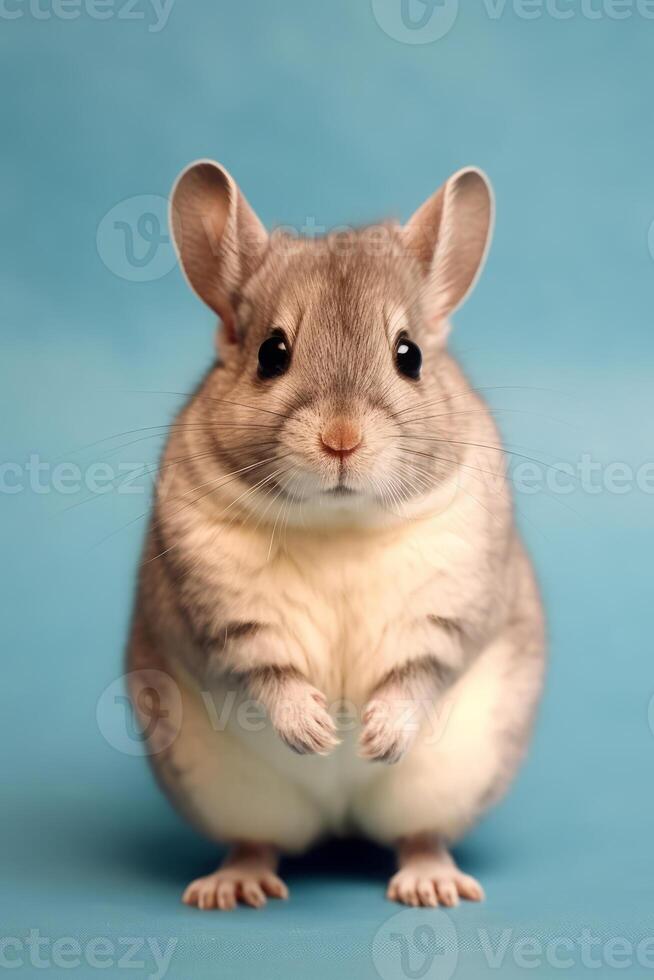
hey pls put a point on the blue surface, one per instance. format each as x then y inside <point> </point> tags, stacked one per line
<point>324,118</point>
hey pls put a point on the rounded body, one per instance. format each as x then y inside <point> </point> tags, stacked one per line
<point>343,603</point>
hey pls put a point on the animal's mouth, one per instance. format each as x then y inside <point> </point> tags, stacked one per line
<point>340,490</point>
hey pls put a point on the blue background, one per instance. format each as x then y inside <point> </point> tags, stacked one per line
<point>322,115</point>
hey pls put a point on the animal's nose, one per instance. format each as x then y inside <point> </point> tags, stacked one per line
<point>341,437</point>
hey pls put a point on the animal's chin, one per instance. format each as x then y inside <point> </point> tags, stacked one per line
<point>340,495</point>
<point>312,485</point>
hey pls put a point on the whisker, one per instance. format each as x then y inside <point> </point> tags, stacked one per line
<point>505,474</point>
<point>148,468</point>
<point>493,516</point>
<point>156,523</point>
<point>507,451</point>
<point>495,411</point>
<point>212,398</point>
<point>114,452</point>
<point>272,536</point>
<point>468,391</point>
<point>245,469</point>
<point>444,459</point>
<point>167,427</point>
<point>250,490</point>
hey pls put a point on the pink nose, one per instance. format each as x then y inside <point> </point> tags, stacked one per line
<point>341,437</point>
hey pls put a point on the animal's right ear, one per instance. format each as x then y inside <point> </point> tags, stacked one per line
<point>218,238</point>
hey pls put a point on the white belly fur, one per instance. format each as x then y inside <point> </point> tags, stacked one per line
<point>249,785</point>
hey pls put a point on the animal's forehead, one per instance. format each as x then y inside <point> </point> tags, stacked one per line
<point>346,284</point>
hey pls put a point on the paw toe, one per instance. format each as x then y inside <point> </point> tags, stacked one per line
<point>226,896</point>
<point>207,899</point>
<point>447,893</point>
<point>191,893</point>
<point>252,894</point>
<point>470,888</point>
<point>274,886</point>
<point>427,893</point>
<point>408,894</point>
<point>433,887</point>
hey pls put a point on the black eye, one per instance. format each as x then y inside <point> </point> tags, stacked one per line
<point>274,356</point>
<point>408,358</point>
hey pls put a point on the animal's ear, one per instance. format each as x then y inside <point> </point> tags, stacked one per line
<point>450,235</point>
<point>218,237</point>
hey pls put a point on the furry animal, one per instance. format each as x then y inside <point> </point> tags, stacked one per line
<point>337,628</point>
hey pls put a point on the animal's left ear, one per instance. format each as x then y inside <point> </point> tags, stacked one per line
<point>450,235</point>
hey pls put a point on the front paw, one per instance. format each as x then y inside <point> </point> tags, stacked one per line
<point>303,722</point>
<point>388,731</point>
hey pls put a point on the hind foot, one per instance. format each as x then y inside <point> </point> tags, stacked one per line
<point>248,875</point>
<point>428,876</point>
